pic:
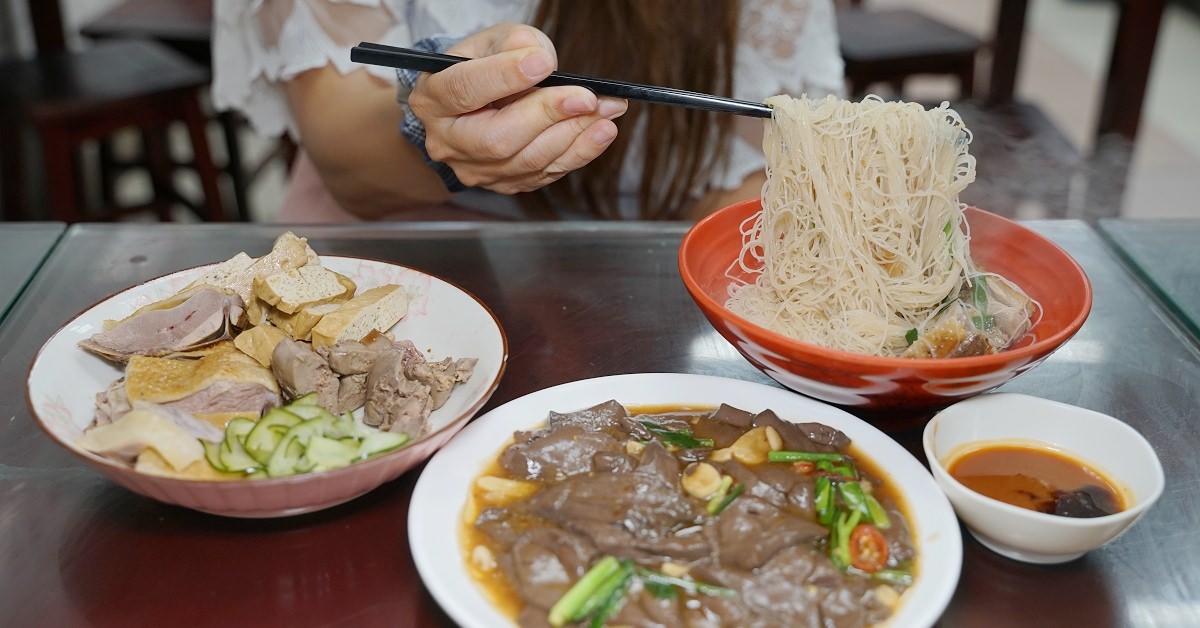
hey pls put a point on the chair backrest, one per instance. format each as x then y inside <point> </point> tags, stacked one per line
<point>48,31</point>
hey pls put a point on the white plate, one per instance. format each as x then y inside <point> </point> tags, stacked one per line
<point>441,492</point>
<point>443,321</point>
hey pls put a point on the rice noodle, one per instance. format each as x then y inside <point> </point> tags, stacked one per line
<point>861,238</point>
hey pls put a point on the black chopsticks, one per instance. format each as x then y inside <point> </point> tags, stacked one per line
<point>409,59</point>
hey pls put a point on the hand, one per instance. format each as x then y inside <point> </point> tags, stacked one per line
<point>486,120</point>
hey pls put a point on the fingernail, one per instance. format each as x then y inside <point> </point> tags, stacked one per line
<point>604,133</point>
<point>536,64</point>
<point>612,107</point>
<point>576,105</point>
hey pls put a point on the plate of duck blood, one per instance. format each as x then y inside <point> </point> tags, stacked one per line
<point>184,355</point>
<point>675,499</point>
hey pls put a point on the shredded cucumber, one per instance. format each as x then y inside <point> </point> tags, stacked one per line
<point>297,438</point>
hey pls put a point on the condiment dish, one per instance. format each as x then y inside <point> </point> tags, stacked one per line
<point>1113,449</point>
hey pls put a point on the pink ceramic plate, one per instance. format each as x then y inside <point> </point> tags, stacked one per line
<point>443,320</point>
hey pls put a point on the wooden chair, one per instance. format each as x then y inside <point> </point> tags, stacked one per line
<point>1023,158</point>
<point>889,45</point>
<point>70,98</point>
<point>1027,156</point>
<point>185,26</point>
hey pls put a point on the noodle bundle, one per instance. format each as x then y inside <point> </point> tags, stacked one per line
<point>860,244</point>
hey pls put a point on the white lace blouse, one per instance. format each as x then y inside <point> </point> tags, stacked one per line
<point>788,46</point>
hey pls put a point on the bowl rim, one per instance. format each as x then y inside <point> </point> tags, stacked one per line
<point>942,475</point>
<point>1029,352</point>
<point>359,467</point>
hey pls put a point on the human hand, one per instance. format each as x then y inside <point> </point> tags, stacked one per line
<point>485,119</point>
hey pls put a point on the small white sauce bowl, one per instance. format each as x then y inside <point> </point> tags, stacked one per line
<point>1109,446</point>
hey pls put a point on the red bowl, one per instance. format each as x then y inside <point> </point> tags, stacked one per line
<point>893,393</point>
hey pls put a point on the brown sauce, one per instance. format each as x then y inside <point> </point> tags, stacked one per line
<point>502,593</point>
<point>1037,478</point>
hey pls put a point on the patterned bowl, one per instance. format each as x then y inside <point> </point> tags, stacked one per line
<point>443,320</point>
<point>893,393</point>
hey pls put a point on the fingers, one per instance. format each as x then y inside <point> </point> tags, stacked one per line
<point>506,60</point>
<point>475,84</point>
<point>503,38</point>
<point>552,155</point>
<point>501,133</point>
<point>560,149</point>
<point>485,119</point>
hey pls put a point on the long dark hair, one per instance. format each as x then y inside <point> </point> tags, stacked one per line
<point>685,44</point>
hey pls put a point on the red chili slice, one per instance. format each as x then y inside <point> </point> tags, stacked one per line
<point>868,548</point>
<point>804,466</point>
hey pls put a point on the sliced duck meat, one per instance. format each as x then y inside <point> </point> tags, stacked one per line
<point>393,401</point>
<point>403,389</point>
<point>593,419</point>
<point>227,397</point>
<point>351,357</point>
<point>610,462</point>
<point>729,415</point>
<point>220,399</point>
<point>111,404</point>
<point>625,498</point>
<point>648,610</point>
<point>646,503</point>
<point>184,420</point>
<point>751,531</point>
<point>206,316</point>
<point>352,393</point>
<point>777,484</point>
<point>804,436</point>
<point>778,588</point>
<point>545,561</point>
<point>564,452</point>
<point>441,376</point>
<point>301,371</point>
<point>601,416</point>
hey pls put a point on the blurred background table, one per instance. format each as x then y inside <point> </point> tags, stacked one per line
<point>1166,258</point>
<point>23,246</point>
<point>577,301</point>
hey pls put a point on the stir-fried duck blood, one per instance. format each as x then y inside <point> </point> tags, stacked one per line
<point>601,496</point>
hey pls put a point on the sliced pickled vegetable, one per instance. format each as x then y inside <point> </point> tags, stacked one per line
<point>304,400</point>
<point>267,433</point>
<point>376,443</point>
<point>307,412</point>
<point>212,453</point>
<point>233,454</point>
<point>327,453</point>
<point>297,438</point>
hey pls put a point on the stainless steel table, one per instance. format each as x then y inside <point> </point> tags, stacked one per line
<point>23,246</point>
<point>577,301</point>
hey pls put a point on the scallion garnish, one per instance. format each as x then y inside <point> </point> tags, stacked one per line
<point>715,506</point>
<point>678,438</point>
<point>568,607</point>
<point>689,586</point>
<point>803,456</point>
